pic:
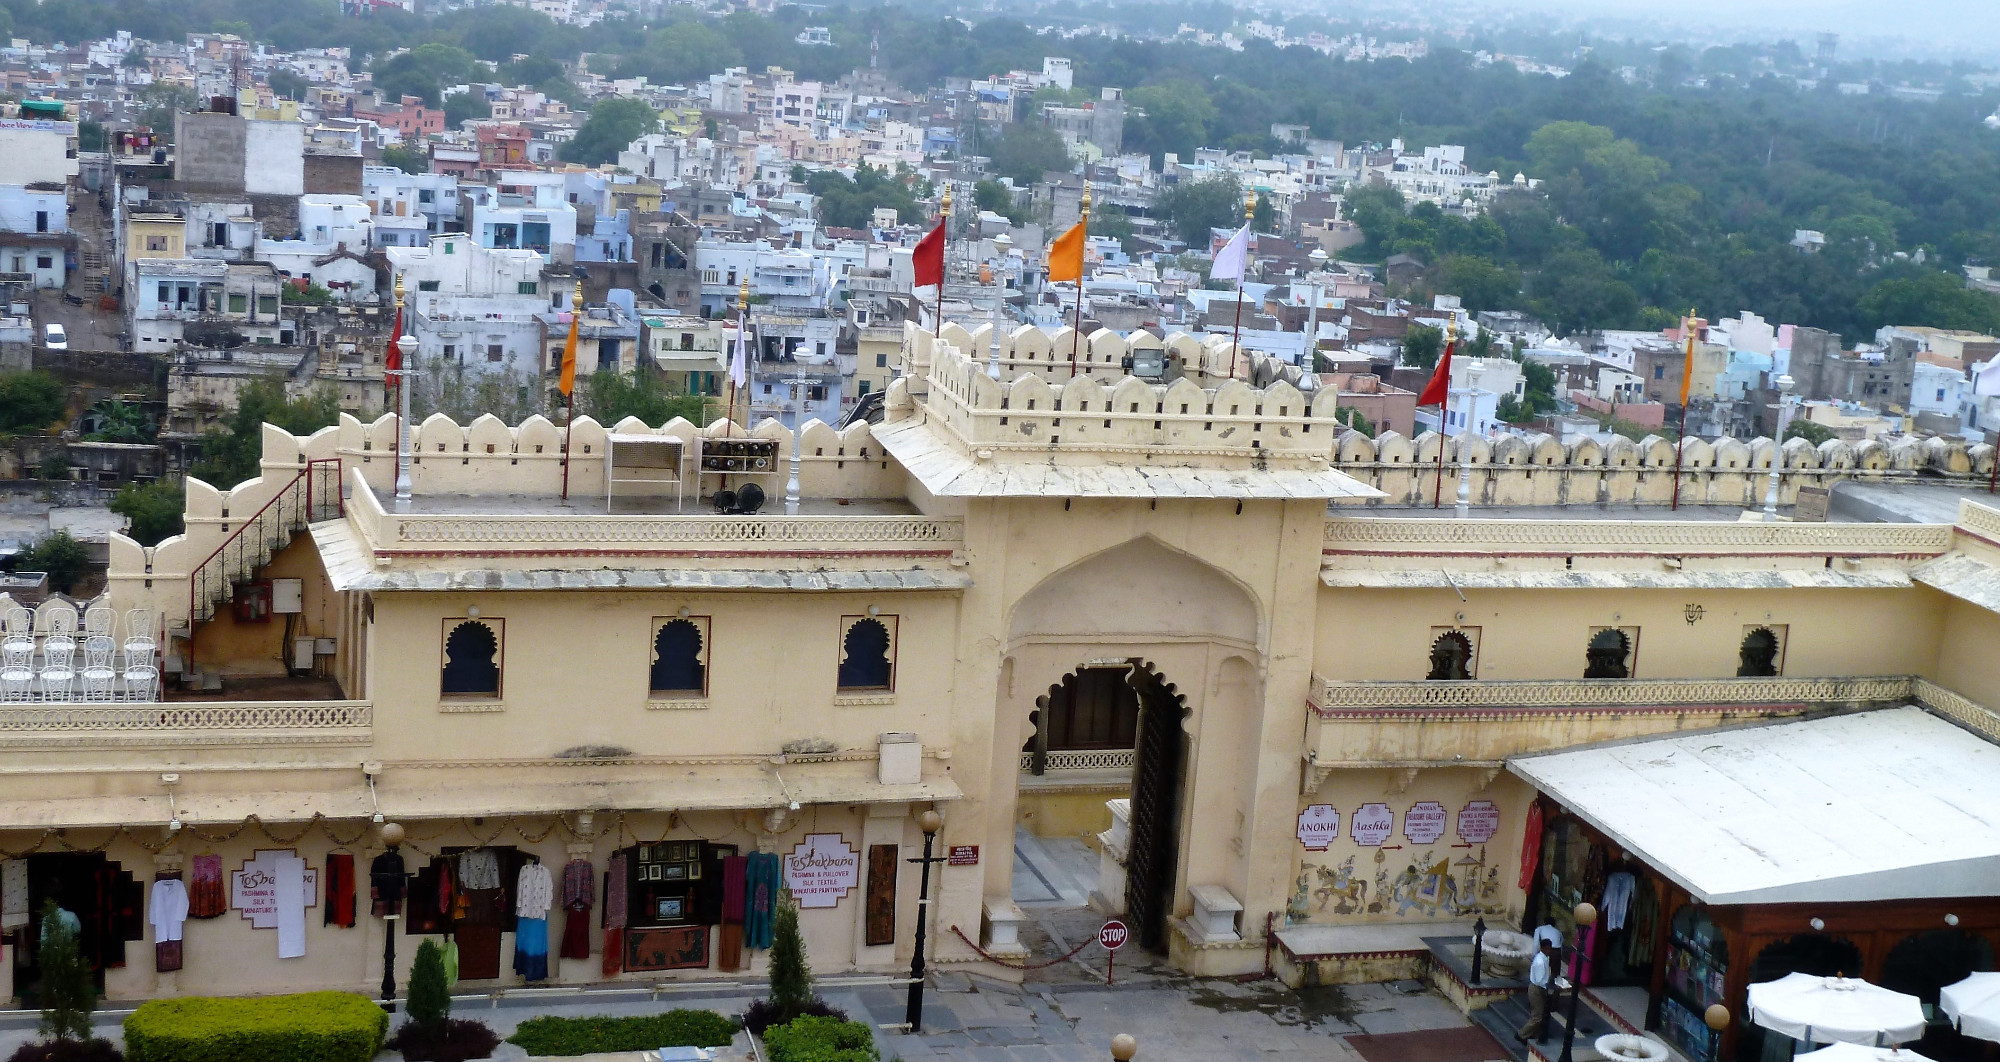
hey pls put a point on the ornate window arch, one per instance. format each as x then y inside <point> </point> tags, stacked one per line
<point>679,666</point>
<point>1453,653</point>
<point>1609,654</point>
<point>471,664</point>
<point>867,653</point>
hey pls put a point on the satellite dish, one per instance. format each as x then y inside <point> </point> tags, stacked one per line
<point>725,500</point>
<point>749,498</point>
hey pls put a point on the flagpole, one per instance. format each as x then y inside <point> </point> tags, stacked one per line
<point>1236,340</point>
<point>944,227</point>
<point>1680,436</point>
<point>396,409</point>
<point>742,338</point>
<point>1437,490</point>
<point>1076,326</point>
<point>569,397</point>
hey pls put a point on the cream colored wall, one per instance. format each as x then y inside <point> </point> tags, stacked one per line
<point>1541,634</point>
<point>258,648</point>
<point>1965,649</point>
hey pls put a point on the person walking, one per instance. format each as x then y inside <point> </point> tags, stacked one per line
<point>1540,973</point>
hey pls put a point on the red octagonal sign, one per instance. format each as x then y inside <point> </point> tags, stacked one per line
<point>1112,935</point>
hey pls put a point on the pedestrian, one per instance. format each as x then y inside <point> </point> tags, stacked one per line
<point>1548,931</point>
<point>1539,974</point>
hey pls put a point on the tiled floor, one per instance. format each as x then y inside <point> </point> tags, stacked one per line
<point>1052,871</point>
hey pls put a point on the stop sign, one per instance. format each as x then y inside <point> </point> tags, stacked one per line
<point>1112,935</point>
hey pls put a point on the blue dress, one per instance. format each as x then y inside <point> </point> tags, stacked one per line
<point>531,948</point>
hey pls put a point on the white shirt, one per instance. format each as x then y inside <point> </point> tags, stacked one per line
<point>169,909</point>
<point>1549,933</point>
<point>534,891</point>
<point>1538,971</point>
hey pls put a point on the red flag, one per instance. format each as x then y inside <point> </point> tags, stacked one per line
<point>928,259</point>
<point>394,359</point>
<point>1438,391</point>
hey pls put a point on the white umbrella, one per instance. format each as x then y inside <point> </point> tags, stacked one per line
<point>1829,1009</point>
<point>1846,1052</point>
<point>1974,1004</point>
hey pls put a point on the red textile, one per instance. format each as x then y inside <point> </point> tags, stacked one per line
<point>928,258</point>
<point>167,956</point>
<point>1531,844</point>
<point>340,890</point>
<point>205,896</point>
<point>392,360</point>
<point>576,934</point>
<point>614,952</point>
<point>733,868</point>
<point>1438,391</point>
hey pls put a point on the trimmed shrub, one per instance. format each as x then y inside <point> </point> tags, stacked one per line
<point>763,1013</point>
<point>583,1036</point>
<point>309,1027</point>
<point>449,1040</point>
<point>430,997</point>
<point>815,1039</point>
<point>66,992</point>
<point>67,1051</point>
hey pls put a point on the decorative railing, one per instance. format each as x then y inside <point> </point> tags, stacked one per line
<point>313,494</point>
<point>189,723</point>
<point>1664,538</point>
<point>840,534</point>
<point>1980,519</point>
<point>1328,696</point>
<point>1081,760</point>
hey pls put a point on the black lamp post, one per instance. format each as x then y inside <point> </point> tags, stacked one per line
<point>1716,1017</point>
<point>1478,946</point>
<point>1586,916</point>
<point>1123,1048</point>
<point>914,1016</point>
<point>392,836</point>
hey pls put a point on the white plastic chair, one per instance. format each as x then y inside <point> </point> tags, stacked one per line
<point>98,621</point>
<point>60,655</point>
<point>100,685</point>
<point>142,682</point>
<point>16,684</point>
<point>59,621</point>
<point>98,650</point>
<point>17,654</point>
<point>141,635</point>
<point>17,630</point>
<point>56,682</point>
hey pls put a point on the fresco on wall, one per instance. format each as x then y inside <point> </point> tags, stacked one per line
<point>1431,884</point>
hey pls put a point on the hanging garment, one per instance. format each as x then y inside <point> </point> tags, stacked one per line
<point>168,909</point>
<point>614,952</point>
<point>479,869</point>
<point>450,962</point>
<point>531,948</point>
<point>705,898</point>
<point>729,948</point>
<point>534,893</point>
<point>761,884</point>
<point>421,915</point>
<point>205,894</point>
<point>167,956</point>
<point>291,889</point>
<point>1645,925</point>
<point>577,886</point>
<point>13,894</point>
<point>340,890</point>
<point>1531,845</point>
<point>479,932</point>
<point>576,934</point>
<point>732,889</point>
<point>1617,897</point>
<point>386,884</point>
<point>616,905</point>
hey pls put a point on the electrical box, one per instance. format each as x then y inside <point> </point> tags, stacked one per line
<point>288,596</point>
<point>326,646</point>
<point>302,654</point>
<point>253,601</point>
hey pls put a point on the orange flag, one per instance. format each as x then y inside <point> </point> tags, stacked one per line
<point>1687,370</point>
<point>568,383</point>
<point>1066,255</point>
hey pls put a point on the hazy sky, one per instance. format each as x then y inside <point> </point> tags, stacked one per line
<point>1957,26</point>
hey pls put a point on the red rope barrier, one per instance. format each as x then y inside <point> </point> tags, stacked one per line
<point>1015,965</point>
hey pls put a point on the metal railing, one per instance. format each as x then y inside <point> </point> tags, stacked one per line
<point>313,494</point>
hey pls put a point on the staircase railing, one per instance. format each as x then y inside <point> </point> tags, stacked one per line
<point>313,494</point>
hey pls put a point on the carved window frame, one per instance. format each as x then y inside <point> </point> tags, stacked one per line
<point>702,626</point>
<point>889,624</point>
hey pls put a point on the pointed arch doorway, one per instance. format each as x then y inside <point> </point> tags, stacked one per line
<point>1158,769</point>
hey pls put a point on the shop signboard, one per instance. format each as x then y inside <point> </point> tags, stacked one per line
<point>1373,824</point>
<point>822,870</point>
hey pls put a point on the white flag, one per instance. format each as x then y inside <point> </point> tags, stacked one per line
<point>1988,380</point>
<point>739,366</point>
<point>1229,260</point>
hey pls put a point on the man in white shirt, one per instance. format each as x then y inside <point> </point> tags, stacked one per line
<point>1540,973</point>
<point>1548,931</point>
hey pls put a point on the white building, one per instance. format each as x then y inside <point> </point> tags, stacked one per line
<point>204,303</point>
<point>410,208</point>
<point>1439,175</point>
<point>35,233</point>
<point>471,305</point>
<point>525,211</point>
<point>36,151</point>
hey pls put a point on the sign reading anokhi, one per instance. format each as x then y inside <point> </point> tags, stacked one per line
<point>1319,824</point>
<point>1424,822</point>
<point>1478,821</point>
<point>1373,824</point>
<point>822,870</point>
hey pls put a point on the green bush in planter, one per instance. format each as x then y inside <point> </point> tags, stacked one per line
<point>551,1035</point>
<point>310,1027</point>
<point>812,1039</point>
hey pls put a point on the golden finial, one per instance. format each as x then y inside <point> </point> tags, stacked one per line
<point>399,289</point>
<point>743,294</point>
<point>576,300</point>
<point>1249,206</point>
<point>945,208</point>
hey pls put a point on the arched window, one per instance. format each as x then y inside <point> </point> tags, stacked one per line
<point>868,653</point>
<point>1451,656</point>
<point>1609,654</point>
<point>471,659</point>
<point>1759,655</point>
<point>680,657</point>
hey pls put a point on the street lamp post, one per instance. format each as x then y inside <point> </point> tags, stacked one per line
<point>1586,916</point>
<point>1310,363</point>
<point>1478,946</point>
<point>406,347</point>
<point>1473,369</point>
<point>798,436</point>
<point>914,1016</point>
<point>1124,1048</point>
<point>1784,384</point>
<point>392,836</point>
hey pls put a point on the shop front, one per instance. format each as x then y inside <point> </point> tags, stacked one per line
<point>1851,845</point>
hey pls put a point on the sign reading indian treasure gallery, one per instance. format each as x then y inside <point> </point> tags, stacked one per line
<point>1478,821</point>
<point>822,870</point>
<point>1373,824</point>
<point>1424,822</point>
<point>1319,824</point>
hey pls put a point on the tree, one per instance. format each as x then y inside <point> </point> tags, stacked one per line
<point>1809,430</point>
<point>233,453</point>
<point>612,126</point>
<point>1027,151</point>
<point>429,1004</point>
<point>1216,203</point>
<point>1935,299</point>
<point>60,554</point>
<point>851,203</point>
<point>609,396</point>
<point>1352,417</point>
<point>684,51</point>
<point>160,101</point>
<point>1421,346</point>
<point>424,70</point>
<point>1171,117</point>
<point>67,992</point>
<point>1478,283</point>
<point>122,422</point>
<point>152,510</point>
<point>29,402</point>
<point>462,107</point>
<point>288,84</point>
<point>791,978</point>
<point>90,136</point>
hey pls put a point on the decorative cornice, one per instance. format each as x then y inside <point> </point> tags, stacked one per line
<point>1482,699</point>
<point>1626,537</point>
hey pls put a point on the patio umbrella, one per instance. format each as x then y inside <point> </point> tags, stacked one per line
<point>1829,1009</point>
<point>1974,1005</point>
<point>1846,1052</point>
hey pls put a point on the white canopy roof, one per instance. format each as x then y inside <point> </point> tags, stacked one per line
<point>1884,805</point>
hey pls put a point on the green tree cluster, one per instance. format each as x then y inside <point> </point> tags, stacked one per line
<point>62,555</point>
<point>612,126</point>
<point>1198,206</point>
<point>152,510</point>
<point>31,402</point>
<point>424,71</point>
<point>232,453</point>
<point>610,397</point>
<point>1027,151</point>
<point>67,992</point>
<point>852,202</point>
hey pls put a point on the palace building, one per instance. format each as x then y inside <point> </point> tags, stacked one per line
<point>1313,725</point>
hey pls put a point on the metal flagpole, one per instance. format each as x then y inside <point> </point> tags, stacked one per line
<point>1236,340</point>
<point>1437,491</point>
<point>569,400</point>
<point>742,339</point>
<point>1076,327</point>
<point>944,227</point>
<point>1680,436</point>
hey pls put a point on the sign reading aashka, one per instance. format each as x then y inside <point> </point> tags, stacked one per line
<point>822,870</point>
<point>1478,821</point>
<point>1319,824</point>
<point>1373,824</point>
<point>1424,822</point>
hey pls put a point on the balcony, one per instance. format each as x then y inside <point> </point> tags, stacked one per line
<point>187,724</point>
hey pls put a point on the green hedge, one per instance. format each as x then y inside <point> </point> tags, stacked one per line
<point>310,1027</point>
<point>811,1039</point>
<point>583,1036</point>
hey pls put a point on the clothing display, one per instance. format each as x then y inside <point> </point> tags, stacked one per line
<point>1531,845</point>
<point>292,900</point>
<point>450,962</point>
<point>762,880</point>
<point>733,868</point>
<point>578,885</point>
<point>13,894</point>
<point>531,946</point>
<point>167,956</point>
<point>614,952</point>
<point>386,884</point>
<point>729,947</point>
<point>534,893</point>
<point>479,869</point>
<point>206,898</point>
<point>168,909</point>
<point>616,893</point>
<point>340,890</point>
<point>1617,898</point>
